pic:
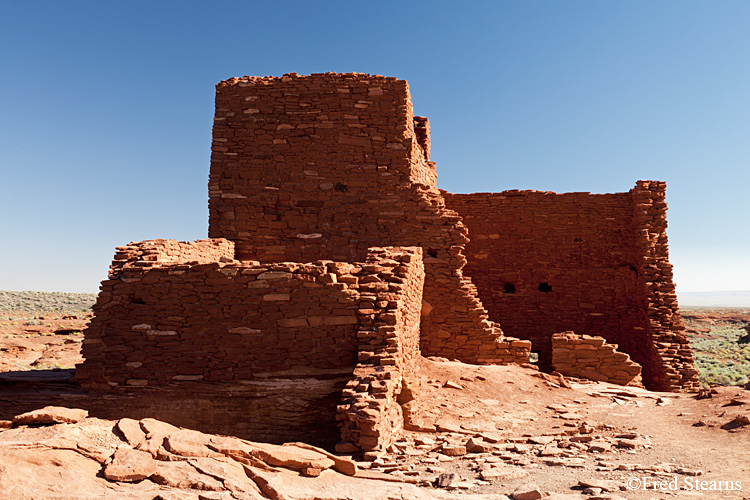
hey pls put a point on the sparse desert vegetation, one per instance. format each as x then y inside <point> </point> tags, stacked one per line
<point>715,335</point>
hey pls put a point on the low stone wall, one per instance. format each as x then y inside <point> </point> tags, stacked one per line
<point>149,253</point>
<point>287,336</point>
<point>584,356</point>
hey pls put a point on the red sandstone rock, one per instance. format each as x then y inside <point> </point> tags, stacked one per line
<point>68,474</point>
<point>189,443</point>
<point>527,492</point>
<point>292,457</point>
<point>130,465</point>
<point>182,475</point>
<point>453,450</point>
<point>475,445</point>
<point>343,465</point>
<point>51,415</point>
<point>155,431</point>
<point>131,430</point>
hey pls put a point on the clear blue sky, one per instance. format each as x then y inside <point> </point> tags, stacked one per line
<point>106,111</point>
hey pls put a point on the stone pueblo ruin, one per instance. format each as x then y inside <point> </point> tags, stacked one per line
<point>334,262</point>
<point>335,271</point>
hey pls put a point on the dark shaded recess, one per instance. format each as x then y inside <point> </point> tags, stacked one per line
<point>208,408</point>
<point>544,287</point>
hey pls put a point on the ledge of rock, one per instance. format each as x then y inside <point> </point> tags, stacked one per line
<point>149,459</point>
<point>51,415</point>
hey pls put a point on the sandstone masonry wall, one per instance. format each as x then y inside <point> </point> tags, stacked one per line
<point>275,329</point>
<point>333,260</point>
<point>375,402</point>
<point>589,357</point>
<point>328,165</point>
<point>657,285</point>
<point>594,264</point>
<point>145,254</point>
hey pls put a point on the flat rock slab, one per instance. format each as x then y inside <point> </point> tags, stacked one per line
<point>291,457</point>
<point>131,465</point>
<point>189,443</point>
<point>183,475</point>
<point>527,492</point>
<point>332,485</point>
<point>131,430</point>
<point>602,484</point>
<point>51,415</point>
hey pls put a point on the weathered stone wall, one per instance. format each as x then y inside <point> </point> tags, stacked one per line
<point>220,322</point>
<point>675,357</point>
<point>385,379</point>
<point>594,264</point>
<point>333,261</point>
<point>328,165</point>
<point>145,254</point>
<point>286,330</point>
<point>584,356</point>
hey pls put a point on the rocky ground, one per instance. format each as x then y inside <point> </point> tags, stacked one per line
<point>482,432</point>
<point>41,338</point>
<point>58,454</point>
<point>507,427</point>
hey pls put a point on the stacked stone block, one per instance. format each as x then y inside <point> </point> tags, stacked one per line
<point>220,322</point>
<point>328,165</point>
<point>261,328</point>
<point>146,254</point>
<point>675,357</point>
<point>385,379</point>
<point>584,356</point>
<point>422,129</point>
<point>591,263</point>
